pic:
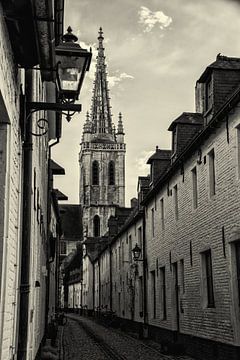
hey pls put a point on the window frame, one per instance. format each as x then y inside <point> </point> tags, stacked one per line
<point>95,173</point>
<point>111,173</point>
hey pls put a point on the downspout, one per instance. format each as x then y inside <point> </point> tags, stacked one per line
<point>26,231</point>
<point>49,189</point>
<point>145,300</point>
<point>93,294</point>
<point>110,275</point>
<point>99,285</point>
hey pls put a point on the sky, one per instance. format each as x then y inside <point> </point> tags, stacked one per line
<point>155,52</point>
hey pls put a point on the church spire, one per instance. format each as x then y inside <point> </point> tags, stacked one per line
<point>101,117</point>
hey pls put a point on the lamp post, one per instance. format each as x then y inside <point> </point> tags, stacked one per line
<point>140,255</point>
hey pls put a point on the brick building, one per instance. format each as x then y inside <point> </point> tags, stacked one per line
<point>29,216</point>
<point>188,216</point>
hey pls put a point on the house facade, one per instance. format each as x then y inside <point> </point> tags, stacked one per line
<point>29,218</point>
<point>184,288</point>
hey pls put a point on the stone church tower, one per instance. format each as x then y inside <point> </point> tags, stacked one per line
<point>102,157</point>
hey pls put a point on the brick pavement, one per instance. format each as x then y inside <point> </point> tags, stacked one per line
<point>77,344</point>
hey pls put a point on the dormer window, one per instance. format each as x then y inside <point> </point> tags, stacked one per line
<point>174,140</point>
<point>209,94</point>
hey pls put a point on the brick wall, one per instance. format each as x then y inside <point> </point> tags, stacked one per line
<point>10,193</point>
<point>195,231</point>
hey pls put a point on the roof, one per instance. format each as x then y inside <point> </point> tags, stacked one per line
<point>60,195</point>
<point>134,216</point>
<point>187,118</point>
<point>160,155</point>
<point>71,217</point>
<point>56,168</point>
<point>144,181</point>
<point>95,246</point>
<point>221,63</point>
<point>194,144</point>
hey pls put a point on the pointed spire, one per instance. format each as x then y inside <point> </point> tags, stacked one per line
<point>87,125</point>
<point>101,115</point>
<point>120,129</point>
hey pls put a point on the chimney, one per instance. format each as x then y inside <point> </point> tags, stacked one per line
<point>134,203</point>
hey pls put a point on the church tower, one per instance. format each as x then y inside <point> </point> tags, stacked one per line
<point>102,157</point>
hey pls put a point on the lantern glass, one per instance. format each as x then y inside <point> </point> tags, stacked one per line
<point>136,252</point>
<point>72,63</point>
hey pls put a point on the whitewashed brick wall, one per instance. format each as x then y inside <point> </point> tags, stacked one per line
<point>203,227</point>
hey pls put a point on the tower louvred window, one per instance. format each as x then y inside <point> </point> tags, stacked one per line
<point>95,173</point>
<point>111,173</point>
<point>96,226</point>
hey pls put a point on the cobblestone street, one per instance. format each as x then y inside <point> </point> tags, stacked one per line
<point>82,338</point>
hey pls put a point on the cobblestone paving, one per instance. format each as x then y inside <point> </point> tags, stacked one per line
<point>79,342</point>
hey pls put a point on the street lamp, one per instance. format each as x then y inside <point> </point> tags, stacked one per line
<point>72,64</point>
<point>136,257</point>
<point>137,253</point>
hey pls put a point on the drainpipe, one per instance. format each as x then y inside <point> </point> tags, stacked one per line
<point>93,293</point>
<point>99,286</point>
<point>49,189</point>
<point>110,275</point>
<point>145,307</point>
<point>26,232</point>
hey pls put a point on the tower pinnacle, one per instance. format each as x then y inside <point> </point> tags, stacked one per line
<point>100,112</point>
<point>120,129</point>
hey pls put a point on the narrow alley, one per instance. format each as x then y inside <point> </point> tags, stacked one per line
<point>83,338</point>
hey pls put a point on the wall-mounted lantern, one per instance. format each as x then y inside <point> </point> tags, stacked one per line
<point>72,64</point>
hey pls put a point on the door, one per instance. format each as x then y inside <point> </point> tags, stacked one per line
<point>175,296</point>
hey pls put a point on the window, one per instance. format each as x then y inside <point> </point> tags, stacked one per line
<point>212,181</point>
<point>140,236</point>
<point>153,293</point>
<point>95,173</point>
<point>175,199</point>
<point>238,151</point>
<point>174,140</point>
<point>208,293</point>
<point>63,248</point>
<point>182,276</point>
<point>119,256</point>
<point>130,248</point>
<point>209,95</point>
<point>123,251</point>
<point>237,247</point>
<point>140,294</point>
<point>111,173</point>
<point>96,226</point>
<point>162,212</point>
<point>194,187</point>
<point>163,293</point>
<point>152,211</point>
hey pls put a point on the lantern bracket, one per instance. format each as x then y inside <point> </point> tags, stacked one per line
<point>42,123</point>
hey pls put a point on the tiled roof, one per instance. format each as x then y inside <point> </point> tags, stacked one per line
<point>160,155</point>
<point>221,62</point>
<point>187,118</point>
<point>71,218</point>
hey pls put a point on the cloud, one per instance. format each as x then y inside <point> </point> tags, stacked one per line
<point>116,79</point>
<point>141,163</point>
<point>150,18</point>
